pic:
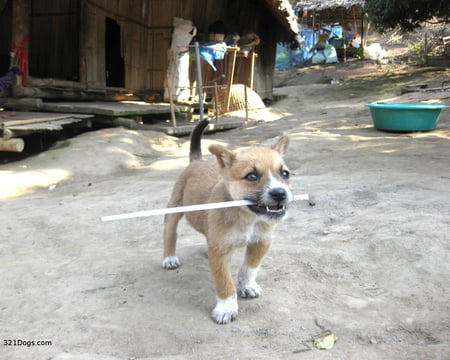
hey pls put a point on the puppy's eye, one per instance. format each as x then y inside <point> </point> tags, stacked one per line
<point>285,174</point>
<point>252,176</point>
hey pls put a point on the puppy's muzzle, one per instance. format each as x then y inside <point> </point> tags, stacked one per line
<point>274,205</point>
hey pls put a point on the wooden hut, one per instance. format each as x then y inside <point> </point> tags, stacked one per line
<point>94,49</point>
<point>318,15</point>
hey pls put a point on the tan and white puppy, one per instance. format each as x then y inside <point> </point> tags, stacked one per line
<point>258,174</point>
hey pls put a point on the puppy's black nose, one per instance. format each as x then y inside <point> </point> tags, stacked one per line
<point>278,194</point>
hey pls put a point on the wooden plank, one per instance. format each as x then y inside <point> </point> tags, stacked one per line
<point>16,131</point>
<point>63,107</point>
<point>23,118</point>
<point>48,125</point>
<point>108,108</point>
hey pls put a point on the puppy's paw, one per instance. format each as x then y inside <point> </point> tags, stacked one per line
<point>249,290</point>
<point>226,310</point>
<point>170,263</point>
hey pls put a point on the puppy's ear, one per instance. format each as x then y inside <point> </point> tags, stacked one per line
<point>225,157</point>
<point>281,145</point>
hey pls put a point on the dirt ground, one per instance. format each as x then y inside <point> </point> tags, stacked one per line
<point>369,262</point>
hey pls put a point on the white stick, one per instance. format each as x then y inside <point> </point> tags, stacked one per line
<point>188,208</point>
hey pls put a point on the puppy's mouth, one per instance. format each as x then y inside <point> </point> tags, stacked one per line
<point>277,210</point>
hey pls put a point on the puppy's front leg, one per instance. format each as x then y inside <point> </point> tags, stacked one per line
<point>226,309</point>
<point>247,286</point>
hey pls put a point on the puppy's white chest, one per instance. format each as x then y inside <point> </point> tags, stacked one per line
<point>248,233</point>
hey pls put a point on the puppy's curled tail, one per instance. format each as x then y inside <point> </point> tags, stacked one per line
<point>195,152</point>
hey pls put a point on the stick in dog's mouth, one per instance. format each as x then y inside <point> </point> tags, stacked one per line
<point>200,207</point>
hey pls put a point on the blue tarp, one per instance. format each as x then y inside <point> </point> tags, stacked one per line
<point>212,51</point>
<point>286,57</point>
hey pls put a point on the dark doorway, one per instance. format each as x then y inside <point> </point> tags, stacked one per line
<point>54,48</point>
<point>114,64</point>
<point>5,35</point>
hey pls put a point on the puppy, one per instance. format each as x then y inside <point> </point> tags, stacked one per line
<point>258,174</point>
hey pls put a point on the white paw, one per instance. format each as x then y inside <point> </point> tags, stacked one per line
<point>247,286</point>
<point>171,262</point>
<point>249,290</point>
<point>226,310</point>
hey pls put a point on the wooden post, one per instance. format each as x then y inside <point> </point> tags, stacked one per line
<point>365,26</point>
<point>83,42</point>
<point>216,101</point>
<point>246,102</point>
<point>344,35</point>
<point>20,30</point>
<point>252,69</point>
<point>314,27</point>
<point>200,81</point>
<point>169,77</point>
<point>231,76</point>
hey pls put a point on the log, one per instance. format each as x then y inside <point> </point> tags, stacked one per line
<point>9,133</point>
<point>12,145</point>
<point>423,89</point>
<point>55,93</point>
<point>93,94</point>
<point>55,83</point>
<point>23,103</point>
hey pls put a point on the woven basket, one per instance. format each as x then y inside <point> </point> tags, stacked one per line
<point>237,99</point>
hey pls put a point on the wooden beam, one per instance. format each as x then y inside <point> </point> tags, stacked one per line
<point>23,103</point>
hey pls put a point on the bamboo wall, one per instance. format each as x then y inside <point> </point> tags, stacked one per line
<point>146,33</point>
<point>68,37</point>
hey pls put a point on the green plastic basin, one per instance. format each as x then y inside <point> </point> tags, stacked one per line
<point>405,117</point>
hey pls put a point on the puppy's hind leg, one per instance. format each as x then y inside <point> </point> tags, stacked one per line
<point>170,260</point>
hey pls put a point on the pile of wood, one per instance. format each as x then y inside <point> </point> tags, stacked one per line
<point>15,125</point>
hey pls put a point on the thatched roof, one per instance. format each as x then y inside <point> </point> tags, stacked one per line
<point>283,11</point>
<point>319,5</point>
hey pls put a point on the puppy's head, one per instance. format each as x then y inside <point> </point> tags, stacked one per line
<point>258,174</point>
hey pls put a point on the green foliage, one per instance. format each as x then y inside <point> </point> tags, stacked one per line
<point>358,54</point>
<point>408,14</point>
<point>420,53</point>
<point>389,72</point>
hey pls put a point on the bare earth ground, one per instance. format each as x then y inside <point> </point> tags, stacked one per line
<point>370,261</point>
